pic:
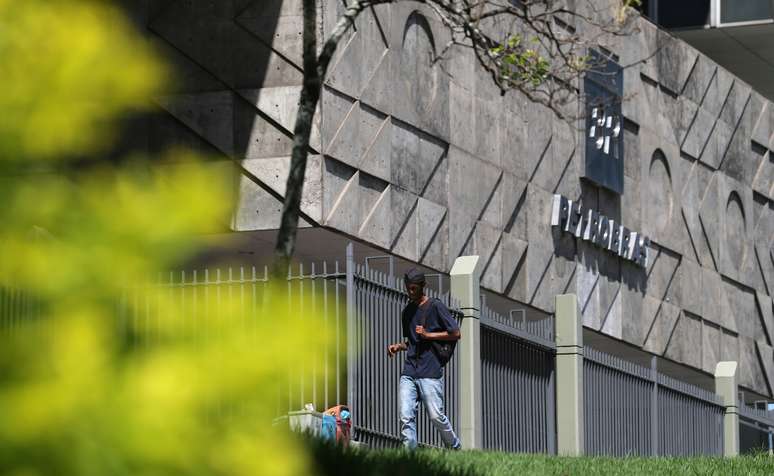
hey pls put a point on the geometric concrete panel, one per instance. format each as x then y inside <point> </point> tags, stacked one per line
<point>485,239</point>
<point>436,255</point>
<point>273,173</point>
<point>201,29</point>
<point>735,236</point>
<point>713,301</point>
<point>540,289</point>
<point>403,204</point>
<point>336,177</point>
<point>420,88</point>
<point>761,120</point>
<point>460,118</point>
<point>684,346</point>
<point>513,196</point>
<point>765,312</point>
<point>717,146</point>
<point>513,158</point>
<point>336,107</point>
<point>415,155</point>
<point>729,345</point>
<point>379,89</point>
<point>189,76</point>
<point>766,263</point>
<point>675,62</point>
<point>377,224</point>
<point>513,252</point>
<point>699,134</point>
<point>587,281</point>
<point>763,181</point>
<point>699,80</point>
<point>209,114</point>
<point>355,202</point>
<point>359,129</point>
<point>492,275</point>
<point>256,136</point>
<point>659,202</point>
<point>281,105</point>
<point>406,244</point>
<point>710,217</point>
<point>751,374</point>
<point>710,346</point>
<point>278,24</point>
<point>663,282</point>
<point>461,226</point>
<point>612,322</point>
<point>487,130</point>
<point>661,329</point>
<point>257,209</point>
<point>344,211</point>
<point>358,55</point>
<point>766,360</point>
<point>738,309</point>
<point>690,276</point>
<point>718,91</point>
<point>420,229</point>
<point>471,183</point>
<point>737,161</point>
<point>429,218</point>
<point>376,159</point>
<point>736,103</point>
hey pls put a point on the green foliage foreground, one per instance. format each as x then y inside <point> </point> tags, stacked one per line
<point>331,461</point>
<point>102,373</point>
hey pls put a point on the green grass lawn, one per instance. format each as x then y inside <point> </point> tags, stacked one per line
<point>335,461</point>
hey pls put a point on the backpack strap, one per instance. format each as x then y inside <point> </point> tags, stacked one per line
<point>423,320</point>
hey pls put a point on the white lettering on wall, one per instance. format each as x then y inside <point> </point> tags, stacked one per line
<point>591,226</point>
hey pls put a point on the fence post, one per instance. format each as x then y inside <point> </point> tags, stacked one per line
<point>569,376</point>
<point>351,329</point>
<point>465,276</point>
<point>654,408</point>
<point>726,387</point>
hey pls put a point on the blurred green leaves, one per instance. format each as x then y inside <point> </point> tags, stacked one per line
<point>69,67</point>
<point>102,372</point>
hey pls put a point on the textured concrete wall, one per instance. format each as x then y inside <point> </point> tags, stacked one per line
<point>431,166</point>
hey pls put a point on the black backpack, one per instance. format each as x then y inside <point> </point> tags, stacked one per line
<point>444,349</point>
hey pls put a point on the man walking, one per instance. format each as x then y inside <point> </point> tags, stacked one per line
<point>424,320</point>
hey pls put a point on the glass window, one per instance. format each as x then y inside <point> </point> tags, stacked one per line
<point>683,13</point>
<point>732,11</point>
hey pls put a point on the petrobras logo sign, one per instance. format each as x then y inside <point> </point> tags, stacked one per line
<point>604,150</point>
<point>604,232</point>
<point>605,132</point>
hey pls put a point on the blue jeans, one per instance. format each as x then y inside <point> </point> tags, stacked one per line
<point>430,391</point>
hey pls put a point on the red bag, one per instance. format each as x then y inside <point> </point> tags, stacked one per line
<point>343,423</point>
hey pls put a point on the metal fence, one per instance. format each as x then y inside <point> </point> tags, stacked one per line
<point>759,426</point>
<point>517,384</point>
<point>634,410</point>
<point>16,308</point>
<point>319,381</point>
<point>629,409</point>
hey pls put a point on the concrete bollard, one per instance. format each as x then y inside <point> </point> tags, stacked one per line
<point>569,377</point>
<point>726,387</point>
<point>465,278</point>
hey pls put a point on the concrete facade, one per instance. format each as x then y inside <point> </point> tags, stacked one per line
<point>429,162</point>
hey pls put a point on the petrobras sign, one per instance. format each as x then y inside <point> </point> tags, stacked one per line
<point>604,232</point>
<point>604,150</point>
